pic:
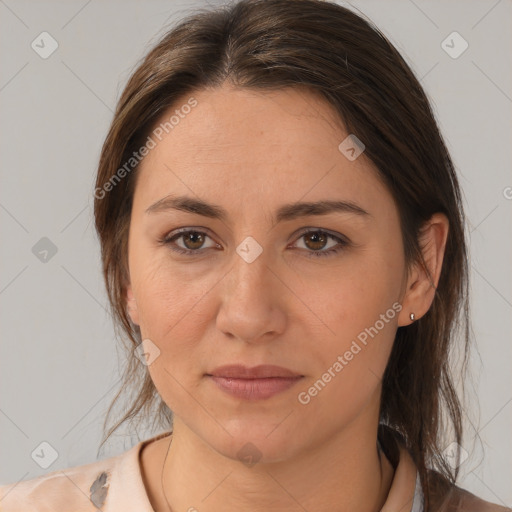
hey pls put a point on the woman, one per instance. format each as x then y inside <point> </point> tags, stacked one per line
<point>282,239</point>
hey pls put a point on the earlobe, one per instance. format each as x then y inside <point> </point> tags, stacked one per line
<point>422,284</point>
<point>131,305</point>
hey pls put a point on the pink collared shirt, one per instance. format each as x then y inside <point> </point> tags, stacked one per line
<point>115,484</point>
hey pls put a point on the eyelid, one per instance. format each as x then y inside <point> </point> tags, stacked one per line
<point>176,233</point>
<point>195,229</point>
<point>315,229</point>
<point>295,235</point>
<point>168,239</point>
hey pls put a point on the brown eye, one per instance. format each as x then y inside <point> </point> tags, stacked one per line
<point>316,243</point>
<point>315,240</point>
<point>193,240</point>
<point>188,242</point>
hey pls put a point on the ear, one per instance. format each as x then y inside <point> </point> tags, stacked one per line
<point>421,287</point>
<point>132,305</point>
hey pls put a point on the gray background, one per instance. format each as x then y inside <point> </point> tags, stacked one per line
<point>60,365</point>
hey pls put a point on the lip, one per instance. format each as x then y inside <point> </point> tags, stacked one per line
<point>258,383</point>
<point>263,371</point>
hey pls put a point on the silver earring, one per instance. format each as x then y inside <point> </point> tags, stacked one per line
<point>411,316</point>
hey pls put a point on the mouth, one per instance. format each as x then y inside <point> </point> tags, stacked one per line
<point>264,371</point>
<point>257,383</point>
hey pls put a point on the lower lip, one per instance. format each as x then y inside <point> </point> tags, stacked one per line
<point>254,389</point>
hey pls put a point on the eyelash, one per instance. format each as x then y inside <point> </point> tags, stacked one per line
<point>312,254</point>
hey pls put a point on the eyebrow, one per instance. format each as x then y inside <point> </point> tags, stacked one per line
<point>285,212</point>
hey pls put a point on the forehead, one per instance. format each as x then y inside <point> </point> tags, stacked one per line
<point>246,120</point>
<point>253,147</point>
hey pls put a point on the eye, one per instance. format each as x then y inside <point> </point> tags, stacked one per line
<point>192,241</point>
<point>315,242</point>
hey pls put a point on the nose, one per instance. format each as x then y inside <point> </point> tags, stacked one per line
<point>252,305</point>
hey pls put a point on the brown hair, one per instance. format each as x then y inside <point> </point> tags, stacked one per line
<point>273,44</point>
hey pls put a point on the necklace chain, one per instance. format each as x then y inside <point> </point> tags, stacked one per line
<point>162,479</point>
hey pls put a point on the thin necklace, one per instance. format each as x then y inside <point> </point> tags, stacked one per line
<point>379,451</point>
<point>162,479</point>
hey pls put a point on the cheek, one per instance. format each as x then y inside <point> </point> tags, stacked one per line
<point>359,306</point>
<point>349,369</point>
<point>345,320</point>
<point>164,292</point>
<point>174,313</point>
<point>355,295</point>
<point>174,310</point>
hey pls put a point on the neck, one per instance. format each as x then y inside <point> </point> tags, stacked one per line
<point>344,473</point>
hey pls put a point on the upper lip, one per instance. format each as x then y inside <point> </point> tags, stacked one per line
<point>238,371</point>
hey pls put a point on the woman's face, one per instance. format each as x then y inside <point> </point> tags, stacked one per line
<point>316,294</point>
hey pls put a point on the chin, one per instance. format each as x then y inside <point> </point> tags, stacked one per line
<point>252,444</point>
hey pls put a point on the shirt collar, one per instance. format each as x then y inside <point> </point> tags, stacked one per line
<point>127,490</point>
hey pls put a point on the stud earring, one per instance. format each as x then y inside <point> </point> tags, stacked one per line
<point>411,316</point>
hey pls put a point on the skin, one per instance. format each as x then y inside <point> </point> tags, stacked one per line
<point>251,152</point>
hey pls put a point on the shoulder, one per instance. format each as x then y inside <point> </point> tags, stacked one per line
<point>109,485</point>
<point>80,488</point>
<point>449,498</point>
